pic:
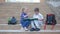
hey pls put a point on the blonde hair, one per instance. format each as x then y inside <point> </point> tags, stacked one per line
<point>23,8</point>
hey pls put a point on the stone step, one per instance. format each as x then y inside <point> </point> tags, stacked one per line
<point>18,27</point>
<point>14,9</point>
<point>29,32</point>
<point>9,27</point>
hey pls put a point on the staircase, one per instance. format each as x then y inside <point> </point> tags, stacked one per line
<point>14,9</point>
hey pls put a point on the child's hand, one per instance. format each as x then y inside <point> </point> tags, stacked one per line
<point>26,16</point>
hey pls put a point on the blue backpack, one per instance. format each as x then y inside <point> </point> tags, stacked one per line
<point>12,20</point>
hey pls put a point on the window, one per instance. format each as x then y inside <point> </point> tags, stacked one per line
<point>27,1</point>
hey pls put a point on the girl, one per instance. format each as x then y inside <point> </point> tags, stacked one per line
<point>24,15</point>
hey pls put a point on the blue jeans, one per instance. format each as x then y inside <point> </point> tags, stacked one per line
<point>25,23</point>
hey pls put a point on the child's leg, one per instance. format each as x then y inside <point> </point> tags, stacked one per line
<point>41,23</point>
<point>26,25</point>
<point>32,24</point>
<point>37,24</point>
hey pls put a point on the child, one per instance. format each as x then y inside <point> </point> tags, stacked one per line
<point>24,15</point>
<point>35,24</point>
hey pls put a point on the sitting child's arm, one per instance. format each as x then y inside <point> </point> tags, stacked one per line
<point>41,17</point>
<point>25,16</point>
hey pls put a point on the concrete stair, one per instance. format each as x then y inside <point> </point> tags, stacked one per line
<point>18,27</point>
<point>14,9</point>
<point>10,27</point>
<point>30,32</point>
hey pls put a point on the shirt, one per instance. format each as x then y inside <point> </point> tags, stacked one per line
<point>39,16</point>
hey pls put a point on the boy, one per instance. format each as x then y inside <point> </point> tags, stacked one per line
<point>35,24</point>
<point>24,15</point>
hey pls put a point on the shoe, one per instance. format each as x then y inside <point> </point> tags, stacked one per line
<point>32,29</point>
<point>25,29</point>
<point>37,29</point>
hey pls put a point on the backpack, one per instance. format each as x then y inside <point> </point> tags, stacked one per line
<point>50,19</point>
<point>12,20</point>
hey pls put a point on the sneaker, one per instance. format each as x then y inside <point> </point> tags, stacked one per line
<point>32,29</point>
<point>37,29</point>
<point>25,29</point>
